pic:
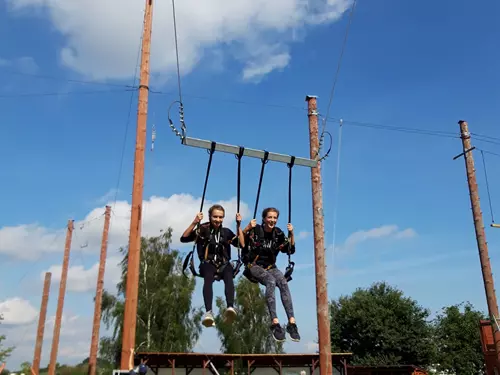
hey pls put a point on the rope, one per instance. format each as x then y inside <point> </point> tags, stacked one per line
<point>211,152</point>
<point>487,186</point>
<point>181,109</point>
<point>189,258</point>
<point>238,199</point>
<point>336,197</point>
<point>264,162</point>
<point>290,166</point>
<point>339,63</point>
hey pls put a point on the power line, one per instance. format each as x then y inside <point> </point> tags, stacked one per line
<point>339,64</point>
<point>45,94</point>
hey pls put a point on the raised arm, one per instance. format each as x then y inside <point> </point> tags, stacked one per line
<point>2,367</point>
<point>189,234</point>
<point>131,359</point>
<point>249,226</point>
<point>291,236</point>
<point>240,234</point>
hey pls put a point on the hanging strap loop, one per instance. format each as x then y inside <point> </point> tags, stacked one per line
<point>264,162</point>
<point>291,265</point>
<point>190,258</point>
<point>238,263</point>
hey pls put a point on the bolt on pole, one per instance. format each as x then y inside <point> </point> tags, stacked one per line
<point>325,347</point>
<point>482,245</point>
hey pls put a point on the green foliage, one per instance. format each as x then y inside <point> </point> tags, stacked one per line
<point>249,333</point>
<point>166,320</point>
<point>458,340</point>
<point>4,352</point>
<point>382,327</point>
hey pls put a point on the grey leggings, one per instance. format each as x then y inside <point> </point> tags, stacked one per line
<point>271,279</point>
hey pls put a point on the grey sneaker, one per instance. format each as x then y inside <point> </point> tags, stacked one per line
<point>230,315</point>
<point>208,319</point>
<point>293,331</point>
<point>278,332</point>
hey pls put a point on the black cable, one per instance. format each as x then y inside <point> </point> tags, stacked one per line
<point>290,166</point>
<point>487,187</point>
<point>211,151</point>
<point>264,162</point>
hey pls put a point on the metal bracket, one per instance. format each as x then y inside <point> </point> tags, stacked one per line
<point>259,154</point>
<point>465,152</point>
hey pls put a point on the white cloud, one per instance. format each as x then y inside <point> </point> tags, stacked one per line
<point>84,280</point>
<point>33,240</point>
<point>311,347</point>
<point>386,231</point>
<point>74,342</point>
<point>101,45</point>
<point>17,311</point>
<point>303,235</point>
<point>24,64</point>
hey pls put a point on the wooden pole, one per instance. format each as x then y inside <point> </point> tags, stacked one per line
<point>134,246</point>
<point>482,245</point>
<point>60,301</point>
<point>41,323</point>
<point>325,357</point>
<point>94,345</point>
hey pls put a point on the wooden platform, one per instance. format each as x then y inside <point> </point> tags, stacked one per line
<point>225,363</point>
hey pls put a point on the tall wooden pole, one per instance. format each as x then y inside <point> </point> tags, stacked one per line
<point>325,357</point>
<point>60,300</point>
<point>482,245</point>
<point>134,245</point>
<point>94,345</point>
<point>41,323</point>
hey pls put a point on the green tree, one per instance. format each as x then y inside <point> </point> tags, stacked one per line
<point>166,320</point>
<point>249,333</point>
<point>4,352</point>
<point>458,340</point>
<point>381,327</point>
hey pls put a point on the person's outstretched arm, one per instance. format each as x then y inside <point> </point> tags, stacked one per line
<point>189,234</point>
<point>2,367</point>
<point>292,236</point>
<point>240,234</point>
<point>131,359</point>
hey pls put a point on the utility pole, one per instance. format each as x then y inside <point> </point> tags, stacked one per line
<point>325,347</point>
<point>60,300</point>
<point>41,323</point>
<point>482,245</point>
<point>98,295</point>
<point>134,245</point>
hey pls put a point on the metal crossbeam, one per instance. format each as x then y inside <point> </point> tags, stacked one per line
<point>230,149</point>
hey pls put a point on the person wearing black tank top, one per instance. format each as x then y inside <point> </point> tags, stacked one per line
<point>213,244</point>
<point>265,242</point>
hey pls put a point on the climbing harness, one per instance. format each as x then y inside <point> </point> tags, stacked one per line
<point>290,267</point>
<point>208,240</point>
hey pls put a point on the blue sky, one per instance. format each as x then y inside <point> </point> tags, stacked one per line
<point>423,65</point>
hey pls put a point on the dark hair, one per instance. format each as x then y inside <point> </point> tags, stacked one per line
<point>266,211</point>
<point>216,207</point>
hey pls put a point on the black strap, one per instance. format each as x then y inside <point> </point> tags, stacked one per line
<point>289,269</point>
<point>190,258</point>
<point>237,266</point>
<point>264,162</point>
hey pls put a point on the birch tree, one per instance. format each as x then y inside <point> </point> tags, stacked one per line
<point>166,319</point>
